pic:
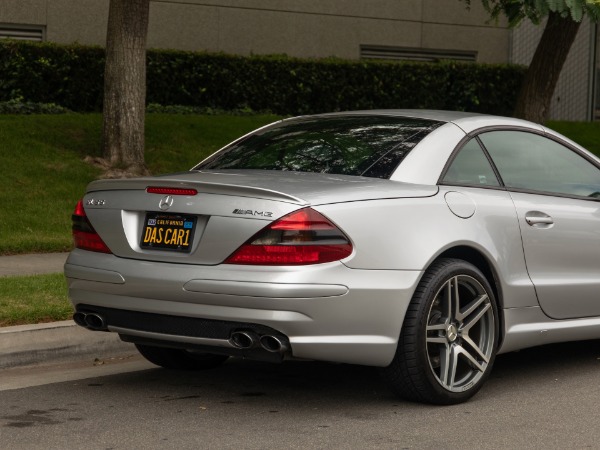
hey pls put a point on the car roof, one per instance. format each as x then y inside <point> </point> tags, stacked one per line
<point>467,121</point>
<point>431,114</point>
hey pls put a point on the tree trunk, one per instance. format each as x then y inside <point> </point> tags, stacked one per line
<point>125,86</point>
<point>540,80</point>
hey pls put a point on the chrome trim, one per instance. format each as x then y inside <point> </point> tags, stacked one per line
<point>92,274</point>
<point>269,290</point>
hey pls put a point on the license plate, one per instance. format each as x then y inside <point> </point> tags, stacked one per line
<point>168,232</point>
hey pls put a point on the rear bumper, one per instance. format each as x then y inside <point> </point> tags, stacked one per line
<point>327,312</point>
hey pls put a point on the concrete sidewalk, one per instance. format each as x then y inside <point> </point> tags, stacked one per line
<point>32,264</point>
<point>50,342</point>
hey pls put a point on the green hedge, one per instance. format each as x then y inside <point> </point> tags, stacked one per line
<point>72,76</point>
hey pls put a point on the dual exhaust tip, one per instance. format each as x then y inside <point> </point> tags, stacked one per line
<point>246,340</point>
<point>91,321</point>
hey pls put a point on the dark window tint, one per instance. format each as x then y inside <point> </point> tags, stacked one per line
<point>370,146</point>
<point>471,167</point>
<point>532,162</point>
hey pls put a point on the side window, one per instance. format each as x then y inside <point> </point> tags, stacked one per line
<point>471,167</point>
<point>533,162</point>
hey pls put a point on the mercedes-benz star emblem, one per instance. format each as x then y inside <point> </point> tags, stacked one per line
<point>166,202</point>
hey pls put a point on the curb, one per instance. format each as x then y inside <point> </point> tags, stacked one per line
<point>24,345</point>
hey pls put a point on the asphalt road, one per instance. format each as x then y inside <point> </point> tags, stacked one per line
<point>541,398</point>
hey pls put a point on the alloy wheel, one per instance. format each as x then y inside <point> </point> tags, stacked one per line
<point>460,333</point>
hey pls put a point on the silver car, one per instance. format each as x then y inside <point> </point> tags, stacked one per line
<point>420,242</point>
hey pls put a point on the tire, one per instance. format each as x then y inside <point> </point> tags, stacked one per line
<point>173,358</point>
<point>449,338</point>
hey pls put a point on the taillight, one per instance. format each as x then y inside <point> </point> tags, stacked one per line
<point>84,235</point>
<point>302,237</point>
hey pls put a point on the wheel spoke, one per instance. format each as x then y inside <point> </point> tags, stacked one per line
<point>455,298</point>
<point>448,363</point>
<point>466,312</point>
<point>437,340</point>
<point>472,361</point>
<point>448,300</point>
<point>475,347</point>
<point>473,320</point>
<point>436,333</point>
<point>436,327</point>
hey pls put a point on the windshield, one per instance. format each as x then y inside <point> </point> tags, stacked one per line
<point>368,145</point>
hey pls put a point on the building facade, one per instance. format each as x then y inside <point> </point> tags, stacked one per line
<point>421,30</point>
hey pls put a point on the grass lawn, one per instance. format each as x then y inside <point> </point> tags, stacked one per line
<point>43,173</point>
<point>33,299</point>
<point>586,134</point>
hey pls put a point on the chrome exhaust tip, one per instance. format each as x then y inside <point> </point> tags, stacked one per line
<point>273,344</point>
<point>79,319</point>
<point>243,339</point>
<point>95,321</point>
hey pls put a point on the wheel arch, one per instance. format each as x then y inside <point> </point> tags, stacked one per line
<point>482,262</point>
<point>414,374</point>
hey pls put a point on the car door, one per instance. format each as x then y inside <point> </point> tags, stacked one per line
<point>556,191</point>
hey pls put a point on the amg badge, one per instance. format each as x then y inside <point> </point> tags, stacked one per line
<point>251,212</point>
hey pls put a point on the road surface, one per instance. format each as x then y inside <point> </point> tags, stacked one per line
<point>540,398</point>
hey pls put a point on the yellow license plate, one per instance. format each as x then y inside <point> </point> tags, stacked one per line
<point>168,232</point>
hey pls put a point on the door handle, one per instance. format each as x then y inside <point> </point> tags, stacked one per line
<point>539,219</point>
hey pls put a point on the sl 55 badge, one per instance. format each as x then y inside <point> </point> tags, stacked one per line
<point>95,202</point>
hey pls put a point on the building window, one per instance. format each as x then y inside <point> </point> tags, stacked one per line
<point>22,32</point>
<point>415,54</point>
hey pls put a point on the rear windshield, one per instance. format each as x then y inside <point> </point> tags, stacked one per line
<point>370,146</point>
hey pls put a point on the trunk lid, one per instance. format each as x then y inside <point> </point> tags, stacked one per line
<point>229,208</point>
